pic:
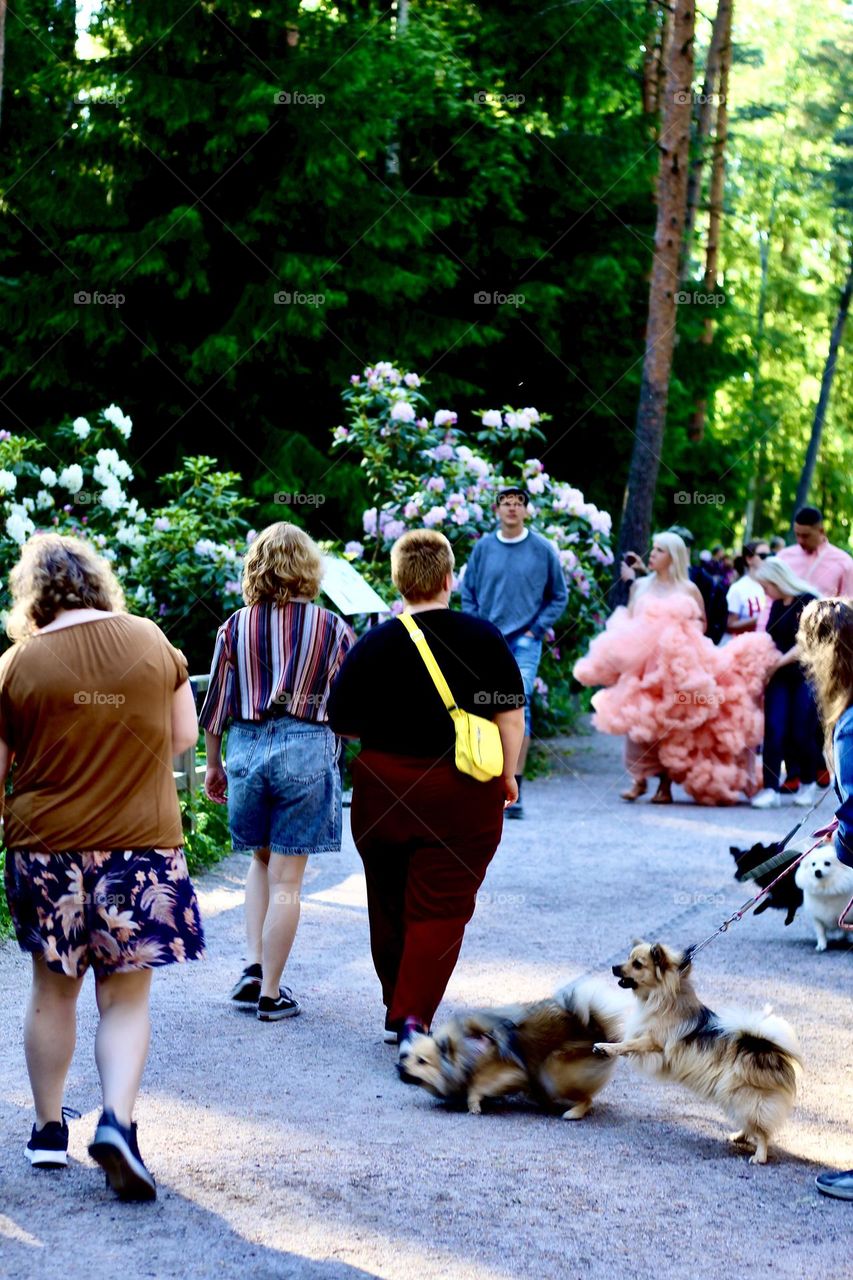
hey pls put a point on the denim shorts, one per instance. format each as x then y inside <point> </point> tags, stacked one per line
<point>527,653</point>
<point>284,786</point>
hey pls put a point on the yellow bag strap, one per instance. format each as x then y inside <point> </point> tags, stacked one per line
<point>429,661</point>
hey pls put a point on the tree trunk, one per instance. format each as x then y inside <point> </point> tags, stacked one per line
<point>392,154</point>
<point>659,25</point>
<point>704,120</point>
<point>718,172</point>
<point>825,389</point>
<point>660,329</point>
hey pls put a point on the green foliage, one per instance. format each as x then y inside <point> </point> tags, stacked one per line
<point>206,836</point>
<point>6,929</point>
<point>421,471</point>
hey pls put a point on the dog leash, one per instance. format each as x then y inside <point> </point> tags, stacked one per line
<point>738,915</point>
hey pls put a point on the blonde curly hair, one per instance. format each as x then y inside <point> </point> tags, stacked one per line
<point>55,572</point>
<point>825,637</point>
<point>282,563</point>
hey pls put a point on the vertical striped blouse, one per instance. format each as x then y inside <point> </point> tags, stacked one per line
<point>274,659</point>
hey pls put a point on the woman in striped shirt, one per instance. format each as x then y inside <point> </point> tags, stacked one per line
<point>273,665</point>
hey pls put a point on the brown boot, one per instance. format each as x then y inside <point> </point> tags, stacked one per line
<point>663,795</point>
<point>639,789</point>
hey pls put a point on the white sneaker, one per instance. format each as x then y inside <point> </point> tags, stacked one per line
<point>806,795</point>
<point>767,799</point>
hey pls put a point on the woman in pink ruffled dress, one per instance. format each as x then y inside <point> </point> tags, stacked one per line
<point>689,711</point>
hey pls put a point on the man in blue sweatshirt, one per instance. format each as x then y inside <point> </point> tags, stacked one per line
<point>514,580</point>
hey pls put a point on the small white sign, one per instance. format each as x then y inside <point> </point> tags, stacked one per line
<point>348,591</point>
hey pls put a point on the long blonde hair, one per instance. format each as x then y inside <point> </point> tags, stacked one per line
<point>825,637</point>
<point>676,548</point>
<point>780,575</point>
<point>55,572</point>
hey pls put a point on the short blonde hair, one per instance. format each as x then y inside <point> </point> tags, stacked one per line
<point>282,563</point>
<point>56,571</point>
<point>420,561</point>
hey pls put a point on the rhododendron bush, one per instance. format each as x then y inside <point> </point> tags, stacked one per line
<point>178,563</point>
<point>423,469</point>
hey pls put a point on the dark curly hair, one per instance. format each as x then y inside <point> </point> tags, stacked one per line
<point>57,572</point>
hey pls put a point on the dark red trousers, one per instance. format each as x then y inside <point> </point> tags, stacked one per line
<point>426,834</point>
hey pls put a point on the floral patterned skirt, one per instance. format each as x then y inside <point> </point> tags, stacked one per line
<point>117,910</point>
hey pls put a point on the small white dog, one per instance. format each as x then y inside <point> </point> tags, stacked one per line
<point>827,886</point>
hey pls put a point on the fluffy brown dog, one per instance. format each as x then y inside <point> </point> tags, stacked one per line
<point>542,1049</point>
<point>747,1062</point>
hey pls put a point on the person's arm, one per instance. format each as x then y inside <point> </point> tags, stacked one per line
<point>556,597</point>
<point>788,658</point>
<point>511,728</point>
<point>184,719</point>
<point>698,598</point>
<point>214,714</point>
<point>736,625</point>
<point>5,766</point>
<point>843,752</point>
<point>469,584</point>
<point>847,577</point>
<point>344,706</point>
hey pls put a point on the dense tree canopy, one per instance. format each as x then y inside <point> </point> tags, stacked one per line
<point>261,201</point>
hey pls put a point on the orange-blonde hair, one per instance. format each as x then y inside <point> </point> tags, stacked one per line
<point>420,561</point>
<point>281,564</point>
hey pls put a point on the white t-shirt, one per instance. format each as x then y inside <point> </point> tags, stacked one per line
<point>745,597</point>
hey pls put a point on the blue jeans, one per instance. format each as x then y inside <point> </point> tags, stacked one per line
<point>527,653</point>
<point>790,729</point>
<point>284,786</point>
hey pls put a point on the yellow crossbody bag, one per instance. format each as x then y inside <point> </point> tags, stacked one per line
<point>479,750</point>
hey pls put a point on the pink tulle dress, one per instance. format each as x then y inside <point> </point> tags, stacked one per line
<point>687,707</point>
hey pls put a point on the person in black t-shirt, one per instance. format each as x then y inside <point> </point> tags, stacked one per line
<point>791,724</point>
<point>425,832</point>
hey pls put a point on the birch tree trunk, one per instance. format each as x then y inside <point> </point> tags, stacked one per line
<point>825,389</point>
<point>696,429</point>
<point>704,121</point>
<point>660,329</point>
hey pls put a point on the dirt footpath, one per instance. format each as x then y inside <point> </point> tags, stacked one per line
<point>293,1150</point>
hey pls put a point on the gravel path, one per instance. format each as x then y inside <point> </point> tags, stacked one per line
<point>293,1150</point>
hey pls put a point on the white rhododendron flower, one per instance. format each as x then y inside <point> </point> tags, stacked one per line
<point>119,420</point>
<point>112,498</point>
<point>71,478</point>
<point>48,476</point>
<point>19,527</point>
<point>492,418</point>
<point>81,428</point>
<point>412,380</point>
<point>8,480</point>
<point>444,417</point>
<point>205,547</point>
<point>402,411</point>
<point>44,499</point>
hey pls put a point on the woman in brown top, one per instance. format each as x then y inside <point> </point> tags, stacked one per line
<point>93,705</point>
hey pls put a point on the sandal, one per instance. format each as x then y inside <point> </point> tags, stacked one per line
<point>639,789</point>
<point>663,795</point>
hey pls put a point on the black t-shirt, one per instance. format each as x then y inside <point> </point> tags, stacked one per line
<point>783,623</point>
<point>385,695</point>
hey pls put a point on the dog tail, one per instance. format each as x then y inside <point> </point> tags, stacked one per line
<point>765,1043</point>
<point>592,1000</point>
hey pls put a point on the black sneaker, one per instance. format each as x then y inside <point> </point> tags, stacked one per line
<point>115,1148</point>
<point>48,1146</point>
<point>285,1006</point>
<point>391,1032</point>
<point>247,989</point>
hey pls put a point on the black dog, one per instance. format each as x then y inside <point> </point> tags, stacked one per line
<point>787,896</point>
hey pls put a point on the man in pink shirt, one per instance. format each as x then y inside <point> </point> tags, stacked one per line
<point>826,568</point>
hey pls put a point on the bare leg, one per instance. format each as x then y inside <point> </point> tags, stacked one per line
<point>50,1033</point>
<point>257,902</point>
<point>285,874</point>
<point>522,756</point>
<point>122,1038</point>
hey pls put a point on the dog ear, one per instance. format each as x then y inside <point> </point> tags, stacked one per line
<point>659,956</point>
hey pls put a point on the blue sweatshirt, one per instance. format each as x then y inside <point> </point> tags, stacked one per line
<point>517,586</point>
<point>842,746</point>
